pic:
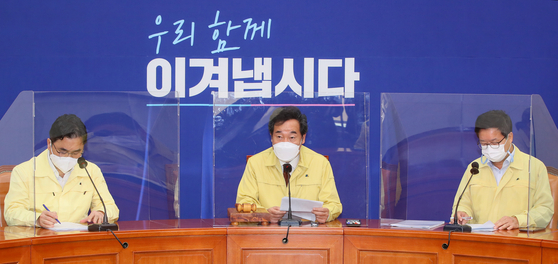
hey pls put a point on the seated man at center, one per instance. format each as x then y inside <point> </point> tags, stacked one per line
<point>263,183</point>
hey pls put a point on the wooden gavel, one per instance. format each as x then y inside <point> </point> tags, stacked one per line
<point>245,208</point>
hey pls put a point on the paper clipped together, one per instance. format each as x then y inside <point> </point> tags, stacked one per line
<point>301,207</point>
<point>68,226</point>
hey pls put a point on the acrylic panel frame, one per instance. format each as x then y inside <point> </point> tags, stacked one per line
<point>16,137</point>
<point>338,128</point>
<point>427,142</point>
<point>133,137</point>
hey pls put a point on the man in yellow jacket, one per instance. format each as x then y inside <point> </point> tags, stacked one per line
<point>504,191</point>
<point>312,177</point>
<point>58,183</point>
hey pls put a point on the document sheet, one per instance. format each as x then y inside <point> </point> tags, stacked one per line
<point>488,226</point>
<point>423,224</point>
<point>68,226</point>
<point>301,207</point>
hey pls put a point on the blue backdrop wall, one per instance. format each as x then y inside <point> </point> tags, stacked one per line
<point>429,46</point>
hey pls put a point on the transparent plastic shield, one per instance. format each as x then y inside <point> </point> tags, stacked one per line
<point>337,128</point>
<point>544,141</point>
<point>427,145</point>
<point>16,139</point>
<point>132,142</point>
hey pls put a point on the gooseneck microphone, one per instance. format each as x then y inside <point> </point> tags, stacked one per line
<point>105,225</point>
<point>456,227</point>
<point>287,168</point>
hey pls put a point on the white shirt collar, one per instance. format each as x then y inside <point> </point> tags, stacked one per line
<point>499,173</point>
<point>293,162</point>
<point>61,180</point>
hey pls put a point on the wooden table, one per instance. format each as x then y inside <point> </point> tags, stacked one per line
<point>378,244</point>
<point>215,241</point>
<point>165,241</point>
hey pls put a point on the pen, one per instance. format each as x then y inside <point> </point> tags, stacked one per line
<point>49,211</point>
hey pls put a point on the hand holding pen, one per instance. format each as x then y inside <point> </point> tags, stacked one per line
<point>47,218</point>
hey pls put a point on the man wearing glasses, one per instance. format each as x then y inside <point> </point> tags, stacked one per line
<point>264,182</point>
<point>61,190</point>
<point>503,192</point>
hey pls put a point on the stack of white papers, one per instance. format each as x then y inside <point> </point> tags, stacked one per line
<point>301,207</point>
<point>422,224</point>
<point>488,226</point>
<point>68,226</point>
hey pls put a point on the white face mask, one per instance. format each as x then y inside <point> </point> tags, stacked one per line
<point>286,151</point>
<point>495,154</point>
<point>64,164</point>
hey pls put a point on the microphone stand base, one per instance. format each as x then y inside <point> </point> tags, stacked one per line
<point>102,227</point>
<point>290,222</point>
<point>457,228</point>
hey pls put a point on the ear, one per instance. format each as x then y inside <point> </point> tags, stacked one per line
<point>48,143</point>
<point>303,139</point>
<point>510,137</point>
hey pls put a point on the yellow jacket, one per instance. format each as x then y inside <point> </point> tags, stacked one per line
<point>264,185</point>
<point>71,204</point>
<point>484,200</point>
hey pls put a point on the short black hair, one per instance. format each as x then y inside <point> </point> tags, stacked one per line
<point>283,114</point>
<point>494,119</point>
<point>67,126</point>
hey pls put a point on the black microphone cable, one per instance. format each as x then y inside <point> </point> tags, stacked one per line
<point>446,245</point>
<point>286,239</point>
<point>124,245</point>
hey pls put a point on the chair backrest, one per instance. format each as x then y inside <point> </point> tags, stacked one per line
<point>173,190</point>
<point>5,174</point>
<point>553,180</point>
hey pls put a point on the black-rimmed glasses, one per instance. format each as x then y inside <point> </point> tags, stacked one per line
<point>493,145</point>
<point>75,154</point>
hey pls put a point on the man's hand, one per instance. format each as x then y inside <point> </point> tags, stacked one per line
<point>322,213</point>
<point>95,217</point>
<point>506,222</point>
<point>276,214</point>
<point>47,219</point>
<point>462,218</point>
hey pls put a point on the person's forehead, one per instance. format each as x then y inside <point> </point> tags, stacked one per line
<point>289,126</point>
<point>489,133</point>
<point>70,143</point>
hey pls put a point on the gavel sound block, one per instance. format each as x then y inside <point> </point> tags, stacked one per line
<point>248,213</point>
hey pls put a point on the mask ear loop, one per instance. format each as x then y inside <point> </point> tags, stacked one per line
<point>49,152</point>
<point>485,159</point>
<point>508,151</point>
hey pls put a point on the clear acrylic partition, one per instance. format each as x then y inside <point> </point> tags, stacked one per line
<point>134,139</point>
<point>337,127</point>
<point>544,142</point>
<point>16,139</point>
<point>428,140</point>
